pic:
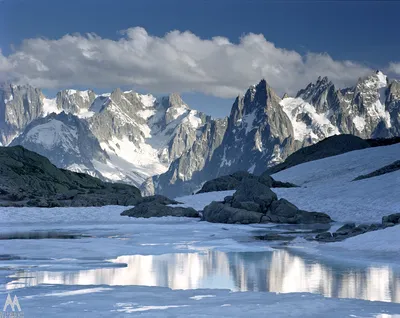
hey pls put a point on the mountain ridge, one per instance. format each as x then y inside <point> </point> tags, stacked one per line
<point>168,148</point>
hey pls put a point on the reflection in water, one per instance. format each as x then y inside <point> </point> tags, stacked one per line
<point>279,271</point>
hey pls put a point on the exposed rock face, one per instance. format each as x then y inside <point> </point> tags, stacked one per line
<point>257,132</point>
<point>75,102</point>
<point>156,209</point>
<point>386,169</point>
<point>187,172</point>
<point>19,105</point>
<point>254,202</point>
<point>26,178</point>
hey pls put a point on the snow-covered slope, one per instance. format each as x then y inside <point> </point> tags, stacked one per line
<point>326,185</point>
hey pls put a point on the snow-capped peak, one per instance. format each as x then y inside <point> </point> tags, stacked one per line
<point>382,78</point>
<point>374,81</point>
<point>71,91</point>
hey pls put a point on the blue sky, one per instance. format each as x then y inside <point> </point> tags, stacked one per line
<point>365,32</point>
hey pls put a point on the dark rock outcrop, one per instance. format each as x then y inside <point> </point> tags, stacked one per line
<point>392,218</point>
<point>156,209</point>
<point>350,229</point>
<point>29,179</point>
<point>218,212</point>
<point>386,169</point>
<point>232,181</point>
<point>254,202</point>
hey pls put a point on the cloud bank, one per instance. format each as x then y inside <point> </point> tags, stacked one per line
<point>176,62</point>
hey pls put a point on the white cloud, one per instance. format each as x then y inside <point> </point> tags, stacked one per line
<point>394,68</point>
<point>178,61</point>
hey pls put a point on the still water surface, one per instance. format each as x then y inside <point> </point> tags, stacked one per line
<point>279,271</point>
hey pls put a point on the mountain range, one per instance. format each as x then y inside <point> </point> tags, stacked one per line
<point>163,146</point>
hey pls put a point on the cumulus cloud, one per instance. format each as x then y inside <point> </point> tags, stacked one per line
<point>178,61</point>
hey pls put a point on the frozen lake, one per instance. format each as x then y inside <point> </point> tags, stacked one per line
<point>179,267</point>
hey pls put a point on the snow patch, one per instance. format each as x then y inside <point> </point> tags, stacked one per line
<point>71,92</point>
<point>248,121</point>
<point>176,112</point>
<point>54,133</point>
<point>147,100</point>
<point>251,169</point>
<point>192,119</point>
<point>7,100</point>
<point>359,122</point>
<point>201,200</point>
<point>320,126</point>
<point>377,110</point>
<point>382,79</point>
<point>84,95</point>
<point>50,106</point>
<point>129,162</point>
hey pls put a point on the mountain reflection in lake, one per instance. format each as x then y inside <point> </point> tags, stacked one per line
<point>279,271</point>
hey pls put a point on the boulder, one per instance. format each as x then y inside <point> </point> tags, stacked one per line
<point>247,205</point>
<point>304,217</point>
<point>252,190</point>
<point>392,218</point>
<point>347,228</point>
<point>255,202</point>
<point>283,208</point>
<point>324,237</point>
<point>217,212</point>
<point>156,209</point>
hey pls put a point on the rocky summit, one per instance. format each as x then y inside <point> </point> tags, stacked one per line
<point>163,146</point>
<point>263,129</point>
